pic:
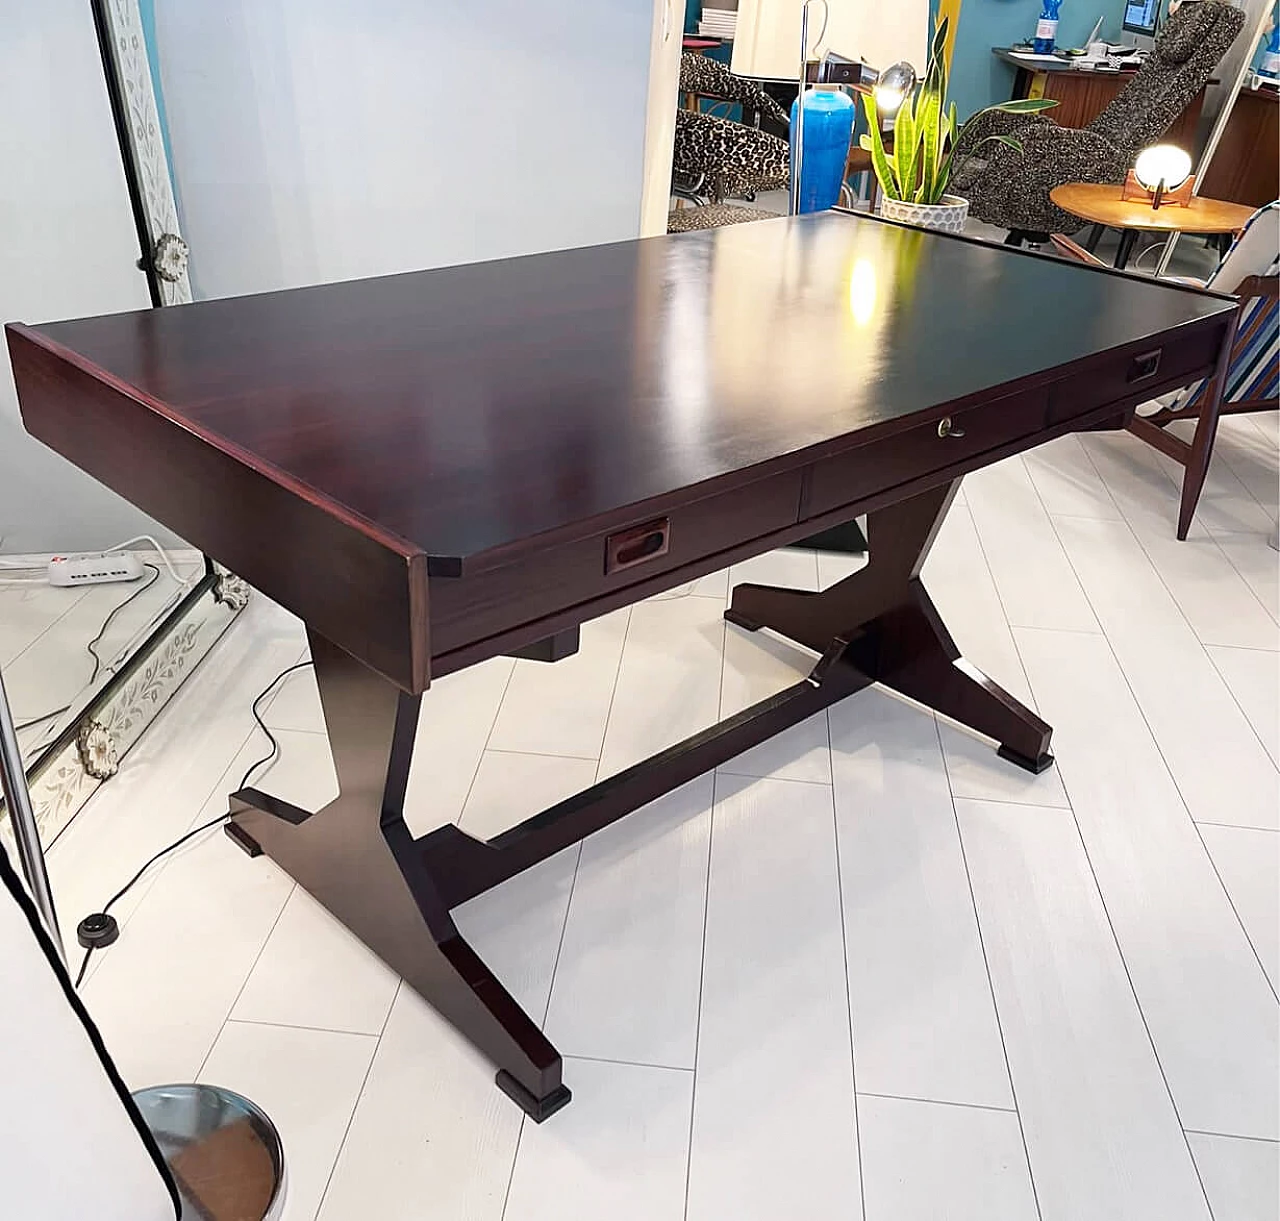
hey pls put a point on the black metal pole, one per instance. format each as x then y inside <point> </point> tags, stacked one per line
<point>26,833</point>
<point>119,116</point>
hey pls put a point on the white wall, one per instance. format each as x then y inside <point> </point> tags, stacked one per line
<point>882,32</point>
<point>67,249</point>
<point>316,140</point>
<point>660,131</point>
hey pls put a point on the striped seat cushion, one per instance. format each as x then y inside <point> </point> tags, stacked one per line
<point>1255,360</point>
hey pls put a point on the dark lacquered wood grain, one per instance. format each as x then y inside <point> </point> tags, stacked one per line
<point>466,409</point>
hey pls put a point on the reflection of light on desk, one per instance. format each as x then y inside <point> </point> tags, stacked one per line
<point>683,348</point>
<point>797,311</point>
<point>862,292</point>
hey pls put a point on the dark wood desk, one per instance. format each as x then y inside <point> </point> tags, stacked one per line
<point>437,468</point>
<point>1059,61</point>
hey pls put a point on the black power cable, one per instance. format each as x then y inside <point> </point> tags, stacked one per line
<point>257,716</point>
<point>100,929</point>
<point>93,645</point>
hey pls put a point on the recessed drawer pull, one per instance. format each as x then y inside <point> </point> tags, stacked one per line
<point>637,545</point>
<point>947,429</point>
<point>1145,366</point>
<point>587,571</point>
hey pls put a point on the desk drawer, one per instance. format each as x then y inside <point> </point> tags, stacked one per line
<point>467,609</point>
<point>1142,374</point>
<point>859,473</point>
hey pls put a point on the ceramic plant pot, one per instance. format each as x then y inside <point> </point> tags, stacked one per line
<point>948,215</point>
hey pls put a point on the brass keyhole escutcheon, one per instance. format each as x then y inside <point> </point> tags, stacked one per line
<point>947,429</point>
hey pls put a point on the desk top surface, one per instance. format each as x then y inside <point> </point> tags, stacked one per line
<point>464,409</point>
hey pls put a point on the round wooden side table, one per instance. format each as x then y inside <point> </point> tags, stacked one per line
<point>1100,204</point>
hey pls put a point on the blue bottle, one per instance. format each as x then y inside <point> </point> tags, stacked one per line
<point>1047,28</point>
<point>828,129</point>
<point>1270,65</point>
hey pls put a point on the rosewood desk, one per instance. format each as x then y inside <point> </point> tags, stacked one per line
<point>436,468</point>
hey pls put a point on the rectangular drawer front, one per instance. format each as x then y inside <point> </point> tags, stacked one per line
<point>859,473</point>
<point>1139,374</point>
<point>471,608</point>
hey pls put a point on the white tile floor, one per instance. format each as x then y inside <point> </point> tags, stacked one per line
<point>865,971</point>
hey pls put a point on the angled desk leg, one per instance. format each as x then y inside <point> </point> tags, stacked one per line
<point>358,859</point>
<point>896,635</point>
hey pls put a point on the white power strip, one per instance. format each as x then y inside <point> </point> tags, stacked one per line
<point>94,568</point>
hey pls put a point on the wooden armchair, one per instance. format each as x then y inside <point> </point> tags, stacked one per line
<point>1250,271</point>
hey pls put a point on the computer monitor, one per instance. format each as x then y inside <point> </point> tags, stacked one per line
<point>1141,17</point>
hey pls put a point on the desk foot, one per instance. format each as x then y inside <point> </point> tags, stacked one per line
<point>538,1109</point>
<point>1035,766</point>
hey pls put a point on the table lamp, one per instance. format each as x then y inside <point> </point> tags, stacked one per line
<point>893,87</point>
<point>1162,175</point>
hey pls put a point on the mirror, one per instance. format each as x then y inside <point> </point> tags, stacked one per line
<point>87,664</point>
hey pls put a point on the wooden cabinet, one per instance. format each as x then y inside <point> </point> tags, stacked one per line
<point>1246,167</point>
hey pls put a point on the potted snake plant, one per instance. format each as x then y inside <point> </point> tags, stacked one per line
<point>914,177</point>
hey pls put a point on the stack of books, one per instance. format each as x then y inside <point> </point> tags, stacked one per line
<point>718,23</point>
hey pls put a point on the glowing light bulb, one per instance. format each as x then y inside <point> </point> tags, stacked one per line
<point>1163,166</point>
<point>893,86</point>
<point>888,101</point>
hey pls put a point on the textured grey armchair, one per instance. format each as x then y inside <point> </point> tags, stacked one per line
<point>1010,188</point>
